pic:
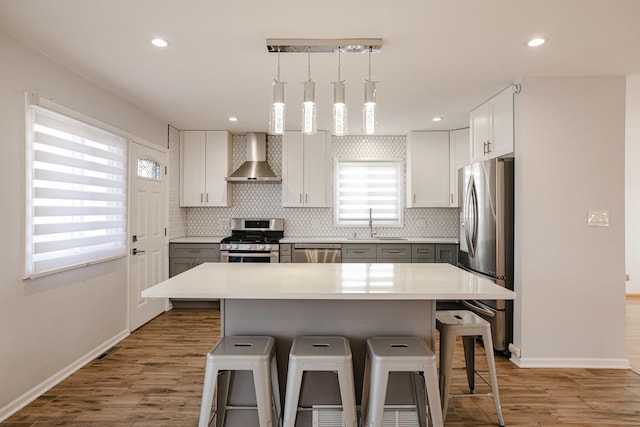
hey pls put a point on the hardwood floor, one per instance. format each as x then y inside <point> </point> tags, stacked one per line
<point>154,378</point>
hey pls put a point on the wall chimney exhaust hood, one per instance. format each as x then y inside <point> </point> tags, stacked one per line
<point>255,168</point>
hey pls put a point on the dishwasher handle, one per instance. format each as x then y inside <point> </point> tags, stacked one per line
<point>317,246</point>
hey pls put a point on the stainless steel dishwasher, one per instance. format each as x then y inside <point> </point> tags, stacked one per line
<point>317,252</point>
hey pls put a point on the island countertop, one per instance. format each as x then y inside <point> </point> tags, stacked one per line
<point>400,281</point>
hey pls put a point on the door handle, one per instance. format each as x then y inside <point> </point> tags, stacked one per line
<point>135,251</point>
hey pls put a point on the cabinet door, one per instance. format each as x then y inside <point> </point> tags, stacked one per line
<point>501,124</point>
<point>459,148</point>
<point>192,168</point>
<point>428,170</point>
<point>218,167</point>
<point>479,128</point>
<point>179,265</point>
<point>316,150</point>
<point>447,254</point>
<point>292,169</point>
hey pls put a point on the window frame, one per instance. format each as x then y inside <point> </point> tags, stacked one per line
<point>37,105</point>
<point>398,165</point>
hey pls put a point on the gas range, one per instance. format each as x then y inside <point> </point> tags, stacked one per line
<point>253,240</point>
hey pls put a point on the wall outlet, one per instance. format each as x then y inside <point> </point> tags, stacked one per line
<point>627,277</point>
<point>598,218</point>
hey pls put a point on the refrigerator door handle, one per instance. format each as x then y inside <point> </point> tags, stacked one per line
<point>470,217</point>
<point>479,308</point>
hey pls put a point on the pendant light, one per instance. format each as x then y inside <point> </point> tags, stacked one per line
<point>369,110</point>
<point>339,107</point>
<point>276,122</point>
<point>309,125</point>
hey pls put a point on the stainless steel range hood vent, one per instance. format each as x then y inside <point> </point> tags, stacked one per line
<point>255,168</point>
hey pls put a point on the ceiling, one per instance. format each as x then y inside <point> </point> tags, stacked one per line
<point>439,57</point>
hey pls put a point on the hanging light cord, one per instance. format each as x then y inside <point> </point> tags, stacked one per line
<point>309,62</point>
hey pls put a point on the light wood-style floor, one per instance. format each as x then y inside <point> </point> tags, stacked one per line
<point>154,378</point>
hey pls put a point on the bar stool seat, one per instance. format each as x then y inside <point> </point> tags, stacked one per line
<point>243,353</point>
<point>399,354</point>
<point>468,325</point>
<point>320,353</point>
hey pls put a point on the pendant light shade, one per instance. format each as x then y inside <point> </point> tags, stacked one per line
<point>339,125</point>
<point>369,110</point>
<point>339,109</point>
<point>309,125</point>
<point>276,120</point>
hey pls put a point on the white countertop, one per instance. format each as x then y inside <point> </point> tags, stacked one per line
<point>197,239</point>
<point>216,239</point>
<point>368,240</point>
<point>328,281</point>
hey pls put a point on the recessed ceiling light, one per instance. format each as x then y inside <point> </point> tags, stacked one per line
<point>158,42</point>
<point>436,119</point>
<point>538,41</point>
<point>233,119</point>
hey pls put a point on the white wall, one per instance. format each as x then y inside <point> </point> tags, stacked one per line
<point>632,179</point>
<point>51,323</point>
<point>570,277</point>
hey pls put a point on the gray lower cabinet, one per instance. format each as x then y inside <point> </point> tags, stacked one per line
<point>447,254</point>
<point>399,252</point>
<point>183,256</point>
<point>359,252</point>
<point>285,252</point>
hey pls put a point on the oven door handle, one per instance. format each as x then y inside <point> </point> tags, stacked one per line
<point>247,254</point>
<point>479,308</point>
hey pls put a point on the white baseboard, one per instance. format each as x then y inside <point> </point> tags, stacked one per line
<point>559,362</point>
<point>50,382</point>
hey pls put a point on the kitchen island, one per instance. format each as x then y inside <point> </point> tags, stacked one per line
<point>354,300</point>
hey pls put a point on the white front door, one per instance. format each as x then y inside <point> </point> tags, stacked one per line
<point>147,235</point>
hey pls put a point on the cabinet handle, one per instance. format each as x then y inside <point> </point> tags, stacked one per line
<point>300,198</point>
<point>424,251</point>
<point>201,197</point>
<point>393,252</point>
<point>194,251</point>
<point>451,197</point>
<point>207,197</point>
<point>414,197</point>
<point>359,252</point>
<point>306,198</point>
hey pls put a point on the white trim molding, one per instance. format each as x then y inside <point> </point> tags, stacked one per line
<point>558,362</point>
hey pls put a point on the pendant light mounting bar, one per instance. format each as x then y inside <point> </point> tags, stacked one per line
<point>324,45</point>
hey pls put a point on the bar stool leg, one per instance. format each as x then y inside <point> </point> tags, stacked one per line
<point>431,377</point>
<point>364,404</point>
<point>469,343</point>
<point>210,380</point>
<point>488,348</point>
<point>377,394</point>
<point>292,395</point>
<point>345,379</point>
<point>447,344</point>
<point>275,394</point>
<point>261,381</point>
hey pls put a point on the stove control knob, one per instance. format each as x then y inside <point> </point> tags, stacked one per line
<point>261,247</point>
<point>234,246</point>
<point>267,247</point>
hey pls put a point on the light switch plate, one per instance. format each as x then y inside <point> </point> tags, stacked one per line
<point>598,218</point>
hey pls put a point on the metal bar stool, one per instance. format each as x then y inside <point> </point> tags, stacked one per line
<point>242,353</point>
<point>318,353</point>
<point>468,325</point>
<point>399,354</point>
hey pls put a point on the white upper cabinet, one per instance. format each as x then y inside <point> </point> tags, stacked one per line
<point>459,149</point>
<point>205,162</point>
<point>492,127</point>
<point>428,170</point>
<point>305,163</point>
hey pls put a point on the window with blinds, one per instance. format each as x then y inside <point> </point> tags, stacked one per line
<point>76,193</point>
<point>364,187</point>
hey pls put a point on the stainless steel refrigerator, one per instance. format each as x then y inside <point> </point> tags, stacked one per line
<point>486,238</point>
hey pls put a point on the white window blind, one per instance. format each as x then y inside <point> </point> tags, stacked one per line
<point>76,194</point>
<point>363,185</point>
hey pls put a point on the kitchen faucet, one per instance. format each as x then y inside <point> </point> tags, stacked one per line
<point>371,233</point>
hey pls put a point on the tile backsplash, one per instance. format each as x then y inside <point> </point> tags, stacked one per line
<point>264,199</point>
